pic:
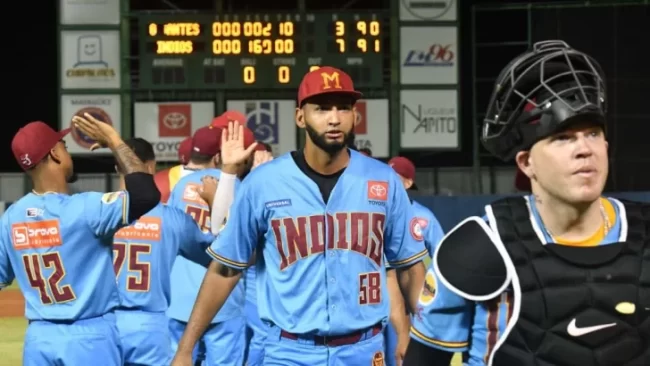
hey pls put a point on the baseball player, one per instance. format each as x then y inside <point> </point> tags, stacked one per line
<point>143,255</point>
<point>55,246</point>
<point>320,229</point>
<point>228,329</point>
<point>424,227</point>
<point>558,277</point>
<point>220,199</point>
<point>166,179</point>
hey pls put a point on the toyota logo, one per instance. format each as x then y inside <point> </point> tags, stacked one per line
<point>174,120</point>
<point>378,190</point>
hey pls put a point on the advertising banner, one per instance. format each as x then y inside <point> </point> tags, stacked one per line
<point>90,60</point>
<point>82,12</point>
<point>429,119</point>
<point>106,108</point>
<point>428,10</point>
<point>429,55</point>
<point>272,121</point>
<point>372,128</point>
<point>166,124</point>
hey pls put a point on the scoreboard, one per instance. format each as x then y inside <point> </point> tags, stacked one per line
<point>258,51</point>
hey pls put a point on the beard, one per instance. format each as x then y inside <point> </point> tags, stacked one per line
<point>331,148</point>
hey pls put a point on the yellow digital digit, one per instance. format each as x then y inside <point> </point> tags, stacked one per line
<point>374,28</point>
<point>288,46</point>
<point>226,29</point>
<point>361,27</point>
<point>340,28</point>
<point>257,29</point>
<point>248,29</point>
<point>216,47</point>
<point>313,68</point>
<point>341,44</point>
<point>278,46</point>
<point>153,29</point>
<point>266,31</point>
<point>284,74</point>
<point>216,29</point>
<point>267,46</point>
<point>255,46</point>
<point>286,29</point>
<point>377,45</point>
<point>236,29</point>
<point>236,47</point>
<point>362,45</point>
<point>249,74</point>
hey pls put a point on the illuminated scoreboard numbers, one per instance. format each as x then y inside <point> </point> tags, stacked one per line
<point>365,37</point>
<point>253,38</point>
<point>283,74</point>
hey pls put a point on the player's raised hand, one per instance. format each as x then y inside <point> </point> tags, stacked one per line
<point>261,157</point>
<point>232,145</point>
<point>208,188</point>
<point>103,133</point>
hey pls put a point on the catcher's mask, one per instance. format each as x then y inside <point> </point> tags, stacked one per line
<point>542,92</point>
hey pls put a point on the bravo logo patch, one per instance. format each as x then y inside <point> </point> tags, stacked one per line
<point>429,289</point>
<point>147,228</point>
<point>417,226</point>
<point>38,234</point>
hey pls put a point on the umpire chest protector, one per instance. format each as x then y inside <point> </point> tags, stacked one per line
<point>571,305</point>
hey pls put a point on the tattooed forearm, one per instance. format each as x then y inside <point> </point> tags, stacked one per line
<point>127,161</point>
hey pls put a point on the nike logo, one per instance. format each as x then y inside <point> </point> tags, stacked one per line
<point>576,331</point>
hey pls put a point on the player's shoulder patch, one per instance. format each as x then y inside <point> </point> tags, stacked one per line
<point>417,226</point>
<point>429,289</point>
<point>112,197</point>
<point>469,260</point>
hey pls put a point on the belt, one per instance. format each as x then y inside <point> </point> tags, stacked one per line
<point>335,341</point>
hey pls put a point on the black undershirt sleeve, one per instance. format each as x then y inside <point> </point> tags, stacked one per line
<point>143,194</point>
<point>417,354</point>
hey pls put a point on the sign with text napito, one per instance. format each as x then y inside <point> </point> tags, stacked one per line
<point>428,55</point>
<point>272,122</point>
<point>429,119</point>
<point>166,124</point>
<point>371,128</point>
<point>90,60</point>
<point>106,108</point>
<point>96,12</point>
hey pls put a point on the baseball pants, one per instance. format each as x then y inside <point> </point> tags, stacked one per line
<point>223,344</point>
<point>280,351</point>
<point>145,337</point>
<point>256,335</point>
<point>390,337</point>
<point>93,341</point>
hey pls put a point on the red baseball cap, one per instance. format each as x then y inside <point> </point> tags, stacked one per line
<point>185,150</point>
<point>236,116</point>
<point>33,142</point>
<point>405,168</point>
<point>326,80</point>
<point>207,140</point>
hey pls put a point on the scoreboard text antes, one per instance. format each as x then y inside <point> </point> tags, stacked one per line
<point>258,51</point>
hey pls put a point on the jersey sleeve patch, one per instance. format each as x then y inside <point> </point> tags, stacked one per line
<point>429,290</point>
<point>469,263</point>
<point>417,226</point>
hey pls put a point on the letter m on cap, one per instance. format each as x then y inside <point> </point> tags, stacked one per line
<point>329,79</point>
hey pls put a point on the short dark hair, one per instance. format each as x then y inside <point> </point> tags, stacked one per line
<point>198,158</point>
<point>142,149</point>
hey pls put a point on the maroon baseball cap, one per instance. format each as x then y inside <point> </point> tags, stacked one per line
<point>33,142</point>
<point>404,167</point>
<point>326,80</point>
<point>207,140</point>
<point>185,150</point>
<point>236,116</point>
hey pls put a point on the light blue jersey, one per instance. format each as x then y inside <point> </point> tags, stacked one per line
<point>320,266</point>
<point>186,276</point>
<point>57,247</point>
<point>425,227</point>
<point>449,322</point>
<point>143,255</point>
